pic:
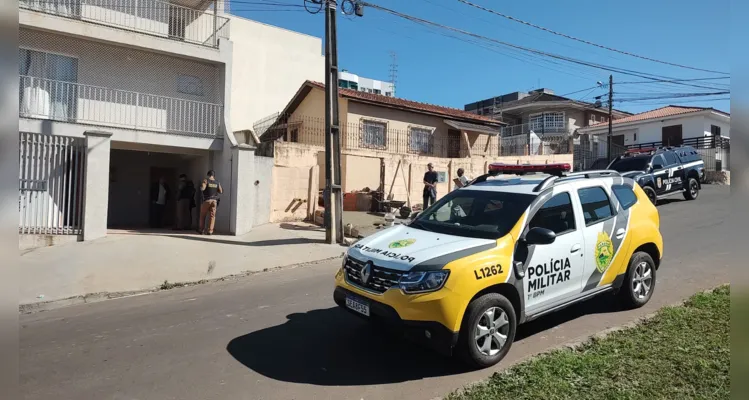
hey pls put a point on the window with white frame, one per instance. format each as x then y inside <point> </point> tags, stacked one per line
<point>420,140</point>
<point>373,134</point>
<point>548,121</point>
<point>48,86</point>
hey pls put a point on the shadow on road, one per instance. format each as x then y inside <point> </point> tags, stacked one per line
<point>329,347</point>
<point>332,348</point>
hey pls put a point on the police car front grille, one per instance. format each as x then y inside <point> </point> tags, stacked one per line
<point>381,279</point>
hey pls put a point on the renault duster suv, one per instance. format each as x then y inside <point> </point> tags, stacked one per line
<point>515,244</point>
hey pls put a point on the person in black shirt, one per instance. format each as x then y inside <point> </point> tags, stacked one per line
<point>185,203</point>
<point>430,186</point>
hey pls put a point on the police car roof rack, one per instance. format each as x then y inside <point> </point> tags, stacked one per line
<point>553,180</point>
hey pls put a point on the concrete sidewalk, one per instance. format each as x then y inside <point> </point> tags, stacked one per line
<point>134,261</point>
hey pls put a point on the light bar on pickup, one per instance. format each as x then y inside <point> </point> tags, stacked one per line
<point>520,169</point>
<point>638,151</point>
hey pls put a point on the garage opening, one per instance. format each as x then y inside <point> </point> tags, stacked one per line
<point>133,187</point>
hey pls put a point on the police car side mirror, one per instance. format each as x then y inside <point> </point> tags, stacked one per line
<point>540,236</point>
<point>414,215</point>
<point>656,166</point>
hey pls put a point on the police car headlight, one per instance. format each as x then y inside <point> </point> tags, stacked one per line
<point>343,266</point>
<point>424,281</point>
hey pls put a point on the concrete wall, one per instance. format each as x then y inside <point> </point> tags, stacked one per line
<point>269,64</point>
<point>291,180</point>
<point>261,203</point>
<point>293,163</point>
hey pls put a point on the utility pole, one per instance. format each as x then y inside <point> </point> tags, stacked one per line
<point>611,103</point>
<point>333,194</point>
<point>334,197</point>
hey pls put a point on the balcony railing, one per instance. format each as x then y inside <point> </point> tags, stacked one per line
<point>538,128</point>
<point>85,104</point>
<point>153,17</point>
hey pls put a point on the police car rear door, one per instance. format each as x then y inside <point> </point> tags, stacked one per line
<point>603,232</point>
<point>553,271</point>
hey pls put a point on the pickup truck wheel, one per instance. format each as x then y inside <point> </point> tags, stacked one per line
<point>639,283</point>
<point>650,192</point>
<point>693,189</point>
<point>488,330</point>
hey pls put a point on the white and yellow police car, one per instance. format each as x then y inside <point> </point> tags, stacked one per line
<point>517,243</point>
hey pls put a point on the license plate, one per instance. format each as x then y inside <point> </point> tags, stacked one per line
<point>358,306</point>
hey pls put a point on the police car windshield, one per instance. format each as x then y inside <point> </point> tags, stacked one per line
<point>637,163</point>
<point>474,213</point>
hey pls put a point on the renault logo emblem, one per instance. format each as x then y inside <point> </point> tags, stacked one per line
<point>366,272</point>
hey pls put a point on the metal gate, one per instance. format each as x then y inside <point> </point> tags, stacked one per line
<point>51,171</point>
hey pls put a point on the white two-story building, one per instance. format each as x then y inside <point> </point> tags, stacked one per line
<point>114,95</point>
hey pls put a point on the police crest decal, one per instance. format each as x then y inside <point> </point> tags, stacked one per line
<point>402,243</point>
<point>604,252</point>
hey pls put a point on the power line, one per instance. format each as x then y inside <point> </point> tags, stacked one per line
<point>586,41</point>
<point>644,75</point>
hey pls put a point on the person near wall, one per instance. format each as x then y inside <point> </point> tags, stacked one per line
<point>211,190</point>
<point>159,198</point>
<point>461,180</point>
<point>430,186</point>
<point>185,203</point>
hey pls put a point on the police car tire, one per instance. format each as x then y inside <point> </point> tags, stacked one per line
<point>688,193</point>
<point>650,192</point>
<point>626,293</point>
<point>467,349</point>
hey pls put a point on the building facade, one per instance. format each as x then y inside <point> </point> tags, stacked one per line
<point>114,96</point>
<point>347,80</point>
<point>541,112</point>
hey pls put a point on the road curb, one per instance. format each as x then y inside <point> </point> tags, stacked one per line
<point>32,308</point>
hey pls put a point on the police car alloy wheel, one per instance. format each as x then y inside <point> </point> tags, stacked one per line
<point>651,194</point>
<point>693,189</point>
<point>488,330</point>
<point>640,280</point>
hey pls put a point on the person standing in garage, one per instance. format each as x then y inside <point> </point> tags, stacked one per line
<point>211,190</point>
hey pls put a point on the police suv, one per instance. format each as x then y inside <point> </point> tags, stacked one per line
<point>515,244</point>
<point>663,171</point>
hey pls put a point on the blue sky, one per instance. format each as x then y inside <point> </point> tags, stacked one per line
<point>442,70</point>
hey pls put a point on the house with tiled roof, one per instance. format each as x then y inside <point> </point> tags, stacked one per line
<point>386,143</point>
<point>384,123</point>
<point>541,112</point>
<point>670,125</point>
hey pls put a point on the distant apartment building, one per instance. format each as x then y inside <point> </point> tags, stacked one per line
<point>347,80</point>
<point>541,112</point>
<point>114,95</point>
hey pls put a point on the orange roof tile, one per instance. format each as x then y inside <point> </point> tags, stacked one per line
<point>662,112</point>
<point>411,105</point>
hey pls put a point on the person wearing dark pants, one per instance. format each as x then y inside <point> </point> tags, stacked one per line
<point>159,198</point>
<point>430,186</point>
<point>211,189</point>
<point>185,203</point>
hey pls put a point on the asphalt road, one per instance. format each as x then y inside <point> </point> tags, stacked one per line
<point>278,335</point>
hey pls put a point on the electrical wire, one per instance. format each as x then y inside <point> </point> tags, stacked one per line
<point>586,41</point>
<point>644,75</point>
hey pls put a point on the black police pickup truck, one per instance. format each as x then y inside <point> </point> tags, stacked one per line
<point>663,171</point>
